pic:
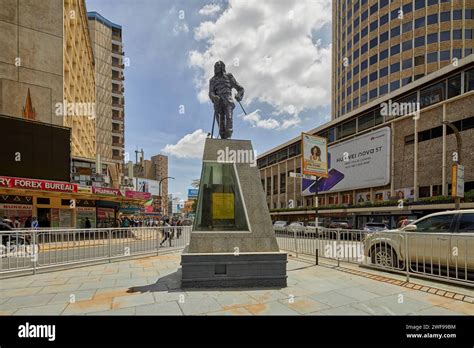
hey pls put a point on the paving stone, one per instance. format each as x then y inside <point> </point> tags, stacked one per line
<point>26,301</point>
<point>132,300</point>
<point>50,309</point>
<point>271,308</point>
<point>333,299</point>
<point>65,297</point>
<point>166,308</point>
<point>98,285</point>
<point>342,310</point>
<point>121,311</point>
<point>200,306</point>
<point>304,305</point>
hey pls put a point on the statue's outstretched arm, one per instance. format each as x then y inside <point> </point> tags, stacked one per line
<point>240,90</point>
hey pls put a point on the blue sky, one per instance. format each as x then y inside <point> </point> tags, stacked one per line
<point>278,50</point>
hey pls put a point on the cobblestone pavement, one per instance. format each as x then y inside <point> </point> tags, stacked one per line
<point>151,286</point>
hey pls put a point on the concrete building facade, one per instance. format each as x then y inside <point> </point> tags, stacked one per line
<point>31,59</point>
<point>380,46</point>
<point>420,157</point>
<point>79,80</point>
<point>109,129</point>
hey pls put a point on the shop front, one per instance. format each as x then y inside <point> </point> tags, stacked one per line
<point>86,211</point>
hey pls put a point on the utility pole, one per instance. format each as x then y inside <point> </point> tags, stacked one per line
<point>141,165</point>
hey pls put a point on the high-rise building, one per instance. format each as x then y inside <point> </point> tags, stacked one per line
<point>106,38</point>
<point>380,46</point>
<point>160,172</point>
<point>79,80</point>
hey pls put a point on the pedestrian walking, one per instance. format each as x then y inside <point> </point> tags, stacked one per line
<point>167,232</point>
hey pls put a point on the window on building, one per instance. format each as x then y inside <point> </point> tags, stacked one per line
<point>282,182</point>
<point>384,37</point>
<point>269,186</point>
<point>444,55</point>
<point>468,34</point>
<point>394,32</point>
<point>469,80</point>
<point>445,16</point>
<point>383,54</point>
<point>419,60</point>
<point>365,121</point>
<point>457,15</point>
<point>407,45</point>
<point>432,57</point>
<point>432,38</point>
<point>457,53</point>
<point>394,67</point>
<point>383,90</point>
<point>395,49</point>
<point>373,93</point>
<point>407,27</point>
<point>419,22</point>
<point>384,19</point>
<point>420,4</point>
<point>348,128</point>
<point>374,8</point>
<point>432,19</point>
<point>407,7</point>
<point>432,94</point>
<point>374,42</point>
<point>406,80</point>
<point>383,72</point>
<point>419,41</point>
<point>445,35</point>
<point>373,76</point>
<point>364,65</point>
<point>374,25</point>
<point>394,85</point>
<point>407,63</point>
<point>457,34</point>
<point>275,184</point>
<point>373,59</point>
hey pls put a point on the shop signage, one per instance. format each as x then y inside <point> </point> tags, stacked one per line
<point>107,191</point>
<point>32,184</point>
<point>137,195</point>
<point>15,207</point>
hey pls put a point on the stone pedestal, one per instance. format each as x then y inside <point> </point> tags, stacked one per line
<point>232,243</point>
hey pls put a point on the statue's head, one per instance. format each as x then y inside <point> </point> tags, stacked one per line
<point>219,67</point>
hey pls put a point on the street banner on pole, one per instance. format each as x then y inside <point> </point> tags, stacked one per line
<point>314,155</point>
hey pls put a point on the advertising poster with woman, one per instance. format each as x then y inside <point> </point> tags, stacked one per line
<point>315,155</point>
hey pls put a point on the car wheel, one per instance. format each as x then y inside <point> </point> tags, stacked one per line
<point>384,256</point>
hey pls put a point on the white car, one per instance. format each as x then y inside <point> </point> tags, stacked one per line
<point>438,241</point>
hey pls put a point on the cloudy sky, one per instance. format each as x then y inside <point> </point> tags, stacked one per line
<point>278,50</point>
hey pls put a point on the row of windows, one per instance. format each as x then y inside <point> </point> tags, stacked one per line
<point>405,27</point>
<point>445,89</point>
<point>437,132</point>
<point>452,89</point>
<point>436,18</point>
<point>405,64</point>
<point>445,35</point>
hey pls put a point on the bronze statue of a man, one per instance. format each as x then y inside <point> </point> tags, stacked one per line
<point>220,92</point>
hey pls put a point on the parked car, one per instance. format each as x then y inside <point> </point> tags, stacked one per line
<point>431,242</point>
<point>375,226</point>
<point>280,226</point>
<point>310,229</point>
<point>340,224</point>
<point>296,226</point>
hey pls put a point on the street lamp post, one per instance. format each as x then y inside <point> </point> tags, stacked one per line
<point>159,185</point>
<point>459,149</point>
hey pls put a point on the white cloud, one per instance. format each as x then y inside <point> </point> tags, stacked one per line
<point>209,10</point>
<point>255,119</point>
<point>272,49</point>
<point>190,146</point>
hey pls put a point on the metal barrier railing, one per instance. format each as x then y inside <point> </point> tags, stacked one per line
<point>446,256</point>
<point>23,250</point>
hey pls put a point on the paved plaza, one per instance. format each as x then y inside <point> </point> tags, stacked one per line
<point>151,286</point>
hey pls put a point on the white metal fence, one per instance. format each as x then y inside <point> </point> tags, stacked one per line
<point>446,256</point>
<point>32,250</point>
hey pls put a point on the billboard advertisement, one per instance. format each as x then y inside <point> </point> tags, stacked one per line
<point>147,185</point>
<point>34,150</point>
<point>315,155</point>
<point>358,163</point>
